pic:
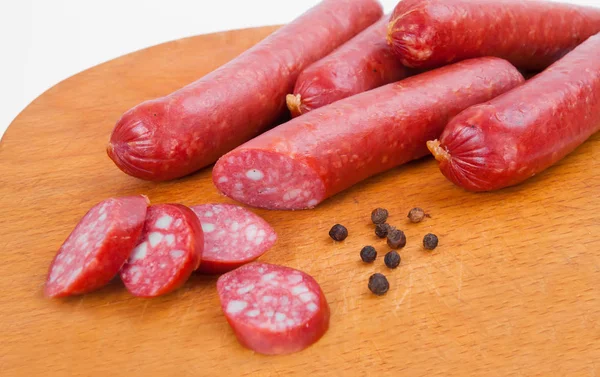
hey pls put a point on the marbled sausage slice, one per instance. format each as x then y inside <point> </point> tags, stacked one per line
<point>98,246</point>
<point>273,309</point>
<point>169,249</point>
<point>233,236</point>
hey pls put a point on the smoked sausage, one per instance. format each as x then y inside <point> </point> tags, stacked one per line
<point>233,236</point>
<point>168,251</point>
<point>272,309</point>
<point>300,163</point>
<point>511,138</point>
<point>98,246</point>
<point>363,63</point>
<point>173,136</point>
<point>530,34</point>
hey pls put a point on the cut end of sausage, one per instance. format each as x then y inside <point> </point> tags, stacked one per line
<point>267,179</point>
<point>440,154</point>
<point>233,236</point>
<point>294,104</point>
<point>272,309</point>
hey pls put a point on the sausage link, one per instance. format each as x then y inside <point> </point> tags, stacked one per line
<point>173,136</point>
<point>513,137</point>
<point>302,162</point>
<point>529,34</point>
<point>363,63</point>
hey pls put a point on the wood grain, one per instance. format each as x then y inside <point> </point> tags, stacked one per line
<point>512,290</point>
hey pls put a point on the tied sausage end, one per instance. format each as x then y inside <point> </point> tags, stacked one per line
<point>436,149</point>
<point>411,35</point>
<point>294,103</point>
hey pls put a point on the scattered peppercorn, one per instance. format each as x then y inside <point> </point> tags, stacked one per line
<point>392,259</point>
<point>338,232</point>
<point>378,284</point>
<point>381,230</point>
<point>379,215</point>
<point>368,254</point>
<point>396,239</point>
<point>430,241</point>
<point>416,215</point>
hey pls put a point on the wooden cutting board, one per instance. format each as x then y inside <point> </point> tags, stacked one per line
<point>512,290</point>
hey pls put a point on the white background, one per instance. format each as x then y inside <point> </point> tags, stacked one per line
<point>45,41</point>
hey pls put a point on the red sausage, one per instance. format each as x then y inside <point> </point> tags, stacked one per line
<point>363,63</point>
<point>98,246</point>
<point>169,249</point>
<point>233,236</point>
<point>272,309</point>
<point>528,33</point>
<point>301,163</point>
<point>519,134</point>
<point>191,128</point>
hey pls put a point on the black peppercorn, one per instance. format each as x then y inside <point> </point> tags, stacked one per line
<point>379,215</point>
<point>416,215</point>
<point>338,232</point>
<point>368,254</point>
<point>430,241</point>
<point>392,259</point>
<point>381,230</point>
<point>396,239</point>
<point>378,284</point>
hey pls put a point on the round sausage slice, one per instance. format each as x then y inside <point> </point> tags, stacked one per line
<point>98,246</point>
<point>167,253</point>
<point>233,236</point>
<point>273,309</point>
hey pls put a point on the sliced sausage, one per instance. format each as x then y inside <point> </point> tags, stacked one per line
<point>273,309</point>
<point>530,34</point>
<point>191,128</point>
<point>363,63</point>
<point>519,134</point>
<point>169,249</point>
<point>233,236</point>
<point>98,246</point>
<point>301,163</point>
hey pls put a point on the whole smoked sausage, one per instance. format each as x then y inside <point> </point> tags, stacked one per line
<point>513,137</point>
<point>363,63</point>
<point>530,34</point>
<point>173,136</point>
